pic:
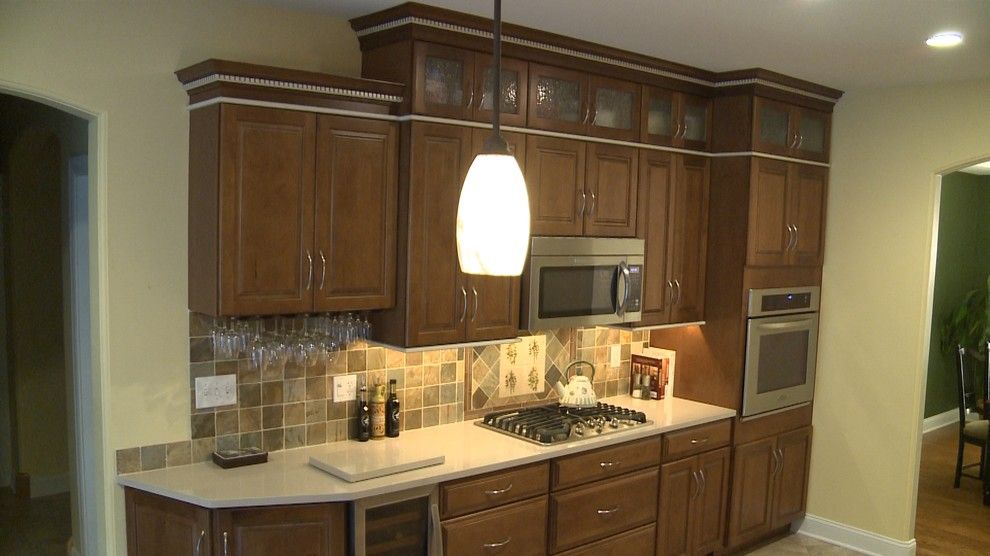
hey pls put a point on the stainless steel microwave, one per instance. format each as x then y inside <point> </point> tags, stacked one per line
<point>582,281</point>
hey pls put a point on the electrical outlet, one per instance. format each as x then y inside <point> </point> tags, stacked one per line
<point>214,391</point>
<point>344,388</point>
<point>615,356</point>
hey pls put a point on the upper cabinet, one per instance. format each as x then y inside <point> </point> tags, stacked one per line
<point>788,130</point>
<point>786,214</point>
<point>570,101</point>
<point>675,119</point>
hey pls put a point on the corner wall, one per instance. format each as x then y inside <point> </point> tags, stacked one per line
<point>888,145</point>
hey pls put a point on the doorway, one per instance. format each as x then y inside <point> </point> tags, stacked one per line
<point>44,332</point>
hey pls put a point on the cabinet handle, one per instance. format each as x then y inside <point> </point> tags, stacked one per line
<point>704,481</point>
<point>491,545</point>
<point>677,284</point>
<point>594,202</point>
<point>790,238</point>
<point>797,238</point>
<point>323,272</point>
<point>474,314</point>
<point>777,462</point>
<point>697,441</point>
<point>587,114</point>
<point>800,140</point>
<point>793,141</point>
<point>608,512</point>
<point>581,210</point>
<point>677,130</point>
<point>464,307</point>
<point>199,541</point>
<point>684,130</point>
<point>309,281</point>
<point>226,545</point>
<point>697,485</point>
<point>499,491</point>
<point>471,96</point>
<point>609,464</point>
<point>670,292</point>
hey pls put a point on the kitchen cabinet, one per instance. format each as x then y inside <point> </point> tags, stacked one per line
<point>675,119</point>
<point>693,496</point>
<point>787,214</point>
<point>159,526</point>
<point>673,222</point>
<point>789,130</point>
<point>290,211</point>
<point>578,188</point>
<point>769,485</point>
<point>571,101</point>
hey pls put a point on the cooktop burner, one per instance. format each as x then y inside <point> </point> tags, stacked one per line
<point>551,424</point>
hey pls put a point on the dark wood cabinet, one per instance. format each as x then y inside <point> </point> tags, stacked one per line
<point>611,181</point>
<point>614,107</point>
<point>518,528</point>
<point>769,485</point>
<point>789,130</point>
<point>443,81</point>
<point>290,212</point>
<point>555,177</point>
<point>515,89</point>
<point>787,214</point>
<point>673,222</point>
<point>675,119</point>
<point>311,529</point>
<point>159,526</point>
<point>576,102</point>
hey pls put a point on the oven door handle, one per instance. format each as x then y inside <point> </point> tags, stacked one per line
<point>623,292</point>
<point>795,324</point>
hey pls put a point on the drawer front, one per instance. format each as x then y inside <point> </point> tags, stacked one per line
<point>637,541</point>
<point>516,529</point>
<point>608,462</point>
<point>595,511</point>
<point>494,489</point>
<point>677,445</point>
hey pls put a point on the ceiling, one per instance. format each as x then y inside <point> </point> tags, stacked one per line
<point>845,44</point>
<point>982,169</point>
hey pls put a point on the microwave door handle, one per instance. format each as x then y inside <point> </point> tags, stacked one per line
<point>623,270</point>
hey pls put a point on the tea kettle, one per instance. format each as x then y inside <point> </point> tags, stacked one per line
<point>579,391</point>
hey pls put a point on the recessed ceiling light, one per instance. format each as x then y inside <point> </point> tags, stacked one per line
<point>945,40</point>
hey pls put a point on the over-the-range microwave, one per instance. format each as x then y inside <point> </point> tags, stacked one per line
<point>582,281</point>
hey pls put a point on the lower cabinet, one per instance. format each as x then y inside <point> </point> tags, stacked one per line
<point>518,529</point>
<point>693,496</point>
<point>162,526</point>
<point>769,485</point>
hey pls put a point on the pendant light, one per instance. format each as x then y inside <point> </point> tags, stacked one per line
<point>493,211</point>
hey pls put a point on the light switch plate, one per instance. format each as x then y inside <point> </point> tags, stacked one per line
<point>214,391</point>
<point>344,388</point>
<point>615,356</point>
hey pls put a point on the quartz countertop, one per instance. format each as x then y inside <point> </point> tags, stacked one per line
<point>288,478</point>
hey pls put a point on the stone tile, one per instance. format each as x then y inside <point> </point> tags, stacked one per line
<point>273,440</point>
<point>200,324</point>
<point>316,388</point>
<point>625,350</point>
<point>271,393</point>
<point>198,370</point>
<point>448,393</point>
<point>613,336</point>
<point>294,390</point>
<point>490,355</point>
<point>317,369</point>
<point>414,377</point>
<point>316,411</point>
<point>271,417</point>
<point>251,440</point>
<point>316,434</point>
<point>601,337</point>
<point>612,386</point>
<point>229,442</point>
<point>337,364</point>
<point>226,422</point>
<point>295,437</point>
<point>295,414</point>
<point>431,375</point>
<point>375,358</point>
<point>394,359</point>
<point>489,383</point>
<point>431,416</point>
<point>200,349</point>
<point>292,370</point>
<point>414,398</point>
<point>153,457</point>
<point>448,373</point>
<point>203,425</point>
<point>460,371</point>
<point>378,377</point>
<point>356,361</point>
<point>338,431</point>
<point>336,410</point>
<point>413,359</point>
<point>431,395</point>
<point>399,376</point>
<point>249,419</point>
<point>412,419</point>
<point>246,374</point>
<point>448,355</point>
<point>227,367</point>
<point>249,395</point>
<point>432,357</point>
<point>128,460</point>
<point>460,391</point>
<point>479,399</point>
<point>178,453</point>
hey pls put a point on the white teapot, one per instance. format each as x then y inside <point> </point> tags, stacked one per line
<point>579,391</point>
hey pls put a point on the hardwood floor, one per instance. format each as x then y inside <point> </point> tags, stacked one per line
<point>949,520</point>
<point>35,527</point>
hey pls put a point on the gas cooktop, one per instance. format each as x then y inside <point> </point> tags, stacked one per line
<point>552,424</point>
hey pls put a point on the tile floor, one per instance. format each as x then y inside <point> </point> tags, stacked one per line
<point>801,544</point>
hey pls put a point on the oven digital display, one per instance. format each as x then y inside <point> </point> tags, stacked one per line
<point>786,301</point>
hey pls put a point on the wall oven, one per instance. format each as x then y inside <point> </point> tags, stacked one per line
<point>582,281</point>
<point>781,348</point>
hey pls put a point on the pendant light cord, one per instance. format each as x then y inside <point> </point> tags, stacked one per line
<point>497,93</point>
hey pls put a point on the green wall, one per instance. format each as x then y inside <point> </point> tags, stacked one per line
<point>963,263</point>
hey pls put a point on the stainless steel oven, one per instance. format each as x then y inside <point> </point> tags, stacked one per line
<point>582,281</point>
<point>781,348</point>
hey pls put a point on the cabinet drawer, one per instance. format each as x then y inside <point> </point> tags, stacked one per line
<point>517,529</point>
<point>637,541</point>
<point>494,489</point>
<point>695,440</point>
<point>604,463</point>
<point>595,511</point>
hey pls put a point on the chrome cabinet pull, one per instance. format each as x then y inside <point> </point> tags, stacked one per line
<point>226,546</point>
<point>594,202</point>
<point>677,130</point>
<point>199,542</point>
<point>684,131</point>
<point>474,314</point>
<point>464,307</point>
<point>697,485</point>
<point>608,512</point>
<point>323,272</point>
<point>581,210</point>
<point>800,140</point>
<point>704,481</point>
<point>670,292</point>
<point>777,462</point>
<point>796,238</point>
<point>491,545</point>
<point>696,441</point>
<point>794,141</point>
<point>309,281</point>
<point>790,238</point>
<point>499,491</point>
<point>587,114</point>
<point>471,97</point>
<point>609,464</point>
<point>677,284</point>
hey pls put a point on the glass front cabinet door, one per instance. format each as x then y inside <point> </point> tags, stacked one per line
<point>614,109</point>
<point>558,99</point>
<point>675,119</point>
<point>514,89</point>
<point>443,81</point>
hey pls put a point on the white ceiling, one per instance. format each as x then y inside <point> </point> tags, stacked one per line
<point>982,169</point>
<point>846,44</point>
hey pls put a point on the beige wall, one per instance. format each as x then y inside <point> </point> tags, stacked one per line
<point>118,59</point>
<point>887,147</point>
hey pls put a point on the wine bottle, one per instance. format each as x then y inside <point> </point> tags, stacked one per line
<point>392,411</point>
<point>364,416</point>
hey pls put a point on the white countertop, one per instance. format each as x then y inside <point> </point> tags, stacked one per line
<point>287,477</point>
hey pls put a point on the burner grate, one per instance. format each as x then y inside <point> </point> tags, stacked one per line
<point>550,424</point>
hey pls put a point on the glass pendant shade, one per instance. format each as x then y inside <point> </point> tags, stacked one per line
<point>493,217</point>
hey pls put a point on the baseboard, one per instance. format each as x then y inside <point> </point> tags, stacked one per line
<point>47,485</point>
<point>853,538</point>
<point>944,419</point>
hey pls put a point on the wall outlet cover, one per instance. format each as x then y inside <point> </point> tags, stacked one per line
<point>615,356</point>
<point>215,391</point>
<point>344,388</point>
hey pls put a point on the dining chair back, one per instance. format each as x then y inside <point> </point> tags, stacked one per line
<point>973,428</point>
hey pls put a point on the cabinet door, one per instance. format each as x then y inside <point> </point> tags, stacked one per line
<point>791,484</point>
<point>558,99</point>
<point>813,131</point>
<point>494,311</point>
<point>356,193</point>
<point>679,485</point>
<point>555,178</point>
<point>769,235</point>
<point>437,297</point>
<point>159,526</point>
<point>653,226</point>
<point>696,122</point>
<point>267,164</point>
<point>443,81</point>
<point>614,108</point>
<point>750,514</point>
<point>773,128</point>
<point>611,190</point>
<point>659,123</point>
<point>689,238</point>
<point>807,191</point>
<point>708,508</point>
<point>515,77</point>
<point>311,530</point>
<point>517,529</point>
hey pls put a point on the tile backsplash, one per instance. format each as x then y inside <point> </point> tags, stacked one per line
<point>280,408</point>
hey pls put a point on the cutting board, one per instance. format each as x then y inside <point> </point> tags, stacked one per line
<point>362,461</point>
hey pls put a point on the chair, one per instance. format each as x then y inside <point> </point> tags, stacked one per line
<point>973,428</point>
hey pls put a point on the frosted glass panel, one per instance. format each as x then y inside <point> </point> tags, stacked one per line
<point>444,81</point>
<point>558,99</point>
<point>695,122</point>
<point>613,109</point>
<point>510,91</point>
<point>660,119</point>
<point>774,126</point>
<point>812,134</point>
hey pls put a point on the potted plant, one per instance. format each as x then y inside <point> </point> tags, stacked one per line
<point>968,324</point>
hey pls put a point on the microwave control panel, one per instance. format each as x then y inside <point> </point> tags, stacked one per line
<point>635,288</point>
